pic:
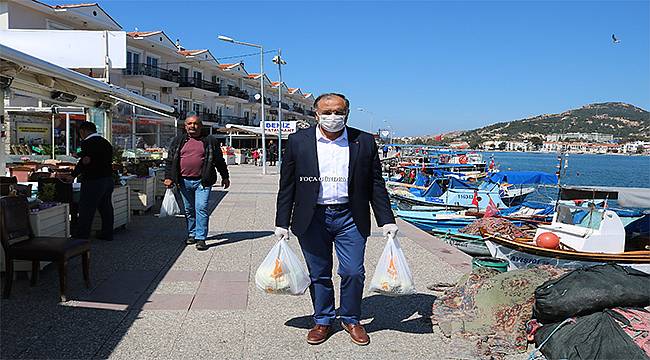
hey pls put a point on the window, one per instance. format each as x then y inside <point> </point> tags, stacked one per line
<point>152,66</point>
<point>215,79</point>
<point>185,105</point>
<point>197,108</point>
<point>132,61</point>
<point>198,75</point>
<point>151,96</point>
<point>184,72</point>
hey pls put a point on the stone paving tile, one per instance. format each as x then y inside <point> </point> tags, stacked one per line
<point>168,302</point>
<point>143,335</point>
<point>210,335</point>
<point>182,275</point>
<point>124,287</point>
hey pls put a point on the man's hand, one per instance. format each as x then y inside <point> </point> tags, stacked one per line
<point>281,233</point>
<point>225,183</point>
<point>168,183</point>
<point>389,230</point>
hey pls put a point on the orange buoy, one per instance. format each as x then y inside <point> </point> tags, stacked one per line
<point>548,240</point>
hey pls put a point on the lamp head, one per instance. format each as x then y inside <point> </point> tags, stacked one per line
<point>225,38</point>
<point>278,60</point>
<point>257,96</point>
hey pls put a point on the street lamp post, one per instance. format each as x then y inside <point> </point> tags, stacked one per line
<point>280,61</point>
<point>262,122</point>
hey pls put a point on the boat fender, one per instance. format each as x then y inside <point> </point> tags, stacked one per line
<point>548,240</point>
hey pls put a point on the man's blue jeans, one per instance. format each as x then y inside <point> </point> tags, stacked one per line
<point>195,200</point>
<point>334,226</point>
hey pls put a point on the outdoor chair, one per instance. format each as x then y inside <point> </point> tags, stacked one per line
<point>19,243</point>
<point>7,185</point>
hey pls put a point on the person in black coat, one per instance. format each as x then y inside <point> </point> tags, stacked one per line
<point>190,165</point>
<point>329,178</point>
<point>95,172</point>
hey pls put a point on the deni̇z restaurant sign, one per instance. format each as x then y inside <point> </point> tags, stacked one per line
<point>288,127</point>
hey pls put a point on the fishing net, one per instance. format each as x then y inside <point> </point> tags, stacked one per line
<point>493,225</point>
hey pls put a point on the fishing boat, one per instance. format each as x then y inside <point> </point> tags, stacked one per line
<point>454,194</point>
<point>473,245</point>
<point>587,236</point>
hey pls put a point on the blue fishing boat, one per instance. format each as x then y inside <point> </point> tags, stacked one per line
<point>504,189</point>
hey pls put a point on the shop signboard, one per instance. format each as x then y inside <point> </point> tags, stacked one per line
<point>288,127</point>
<point>30,133</point>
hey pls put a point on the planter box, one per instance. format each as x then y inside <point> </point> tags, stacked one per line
<point>142,193</point>
<point>121,209</point>
<point>54,221</point>
<point>158,177</point>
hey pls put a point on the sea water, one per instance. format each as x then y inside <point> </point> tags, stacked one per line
<point>583,169</point>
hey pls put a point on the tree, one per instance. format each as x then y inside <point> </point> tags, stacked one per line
<point>502,145</point>
<point>536,141</point>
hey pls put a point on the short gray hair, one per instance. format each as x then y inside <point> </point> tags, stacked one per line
<point>329,95</point>
<point>190,114</point>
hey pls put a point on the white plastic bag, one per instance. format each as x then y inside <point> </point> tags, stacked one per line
<point>169,205</point>
<point>281,272</point>
<point>392,275</point>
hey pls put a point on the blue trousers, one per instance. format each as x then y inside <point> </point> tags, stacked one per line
<point>334,226</point>
<point>195,200</point>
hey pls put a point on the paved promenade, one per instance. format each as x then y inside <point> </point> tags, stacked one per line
<point>153,297</point>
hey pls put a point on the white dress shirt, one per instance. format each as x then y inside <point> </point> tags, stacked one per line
<point>333,164</point>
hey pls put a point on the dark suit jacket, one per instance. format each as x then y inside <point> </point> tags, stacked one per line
<point>100,152</point>
<point>298,193</point>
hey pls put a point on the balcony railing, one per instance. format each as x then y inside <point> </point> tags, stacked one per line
<point>285,106</point>
<point>148,70</point>
<point>234,91</point>
<point>198,83</point>
<point>298,110</point>
<point>221,120</point>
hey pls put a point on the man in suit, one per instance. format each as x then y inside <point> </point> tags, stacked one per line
<point>330,176</point>
<point>95,172</point>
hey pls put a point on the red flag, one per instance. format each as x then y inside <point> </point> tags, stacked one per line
<point>491,209</point>
<point>438,138</point>
<point>475,199</point>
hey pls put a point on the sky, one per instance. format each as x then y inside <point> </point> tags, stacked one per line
<point>426,67</point>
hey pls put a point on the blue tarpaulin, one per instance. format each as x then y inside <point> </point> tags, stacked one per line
<point>522,177</point>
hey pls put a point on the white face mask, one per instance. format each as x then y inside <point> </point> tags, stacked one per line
<point>332,123</point>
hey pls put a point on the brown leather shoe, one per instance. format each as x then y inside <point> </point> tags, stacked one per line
<point>357,333</point>
<point>318,334</point>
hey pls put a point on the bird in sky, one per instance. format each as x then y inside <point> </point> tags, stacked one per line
<point>615,40</point>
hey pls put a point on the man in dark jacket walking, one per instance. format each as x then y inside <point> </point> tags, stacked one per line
<point>95,173</point>
<point>190,165</point>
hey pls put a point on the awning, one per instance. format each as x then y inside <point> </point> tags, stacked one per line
<point>523,177</point>
<point>41,67</point>
<point>253,130</point>
<point>626,197</point>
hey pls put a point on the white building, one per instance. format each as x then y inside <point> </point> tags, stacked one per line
<point>163,70</point>
<point>595,137</point>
